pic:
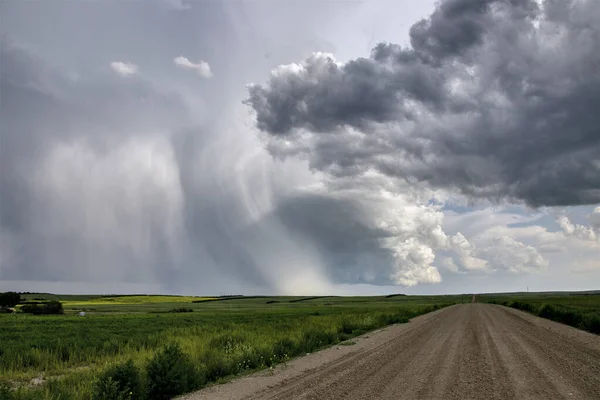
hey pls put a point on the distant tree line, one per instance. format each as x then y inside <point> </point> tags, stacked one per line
<point>8,300</point>
<point>46,308</point>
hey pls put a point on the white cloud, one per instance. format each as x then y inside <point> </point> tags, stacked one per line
<point>402,226</point>
<point>466,253</point>
<point>124,68</point>
<point>506,253</point>
<point>450,265</point>
<point>579,231</point>
<point>414,263</point>
<point>202,67</point>
<point>530,246</point>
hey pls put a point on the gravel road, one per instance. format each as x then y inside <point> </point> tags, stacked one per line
<point>470,351</point>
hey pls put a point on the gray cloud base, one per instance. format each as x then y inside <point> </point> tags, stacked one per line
<point>495,99</point>
<point>82,197</point>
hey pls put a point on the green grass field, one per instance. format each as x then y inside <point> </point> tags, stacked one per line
<point>60,357</point>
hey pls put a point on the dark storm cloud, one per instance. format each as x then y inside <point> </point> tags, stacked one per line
<point>457,25</point>
<point>497,99</point>
<point>39,110</point>
<point>340,227</point>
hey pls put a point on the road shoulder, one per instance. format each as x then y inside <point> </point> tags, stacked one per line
<point>253,383</point>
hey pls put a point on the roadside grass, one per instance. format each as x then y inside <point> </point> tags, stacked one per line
<point>580,310</point>
<point>66,355</point>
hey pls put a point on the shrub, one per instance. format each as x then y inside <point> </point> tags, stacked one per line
<point>388,319</point>
<point>170,373</point>
<point>521,305</point>
<point>592,324</point>
<point>500,302</point>
<point>284,348</point>
<point>216,365</point>
<point>107,389</point>
<point>51,307</point>
<point>347,326</point>
<point>9,299</point>
<point>181,310</point>
<point>575,318</point>
<point>547,311</point>
<point>5,392</point>
<point>568,317</point>
<point>314,339</point>
<point>119,382</point>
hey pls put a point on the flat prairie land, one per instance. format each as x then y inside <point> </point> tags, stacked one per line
<point>61,356</point>
<point>64,356</point>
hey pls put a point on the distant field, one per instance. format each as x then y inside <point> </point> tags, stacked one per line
<point>51,357</point>
<point>139,300</point>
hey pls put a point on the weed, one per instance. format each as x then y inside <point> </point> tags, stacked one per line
<point>284,347</point>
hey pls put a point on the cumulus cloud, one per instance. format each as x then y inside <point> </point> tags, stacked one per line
<point>493,99</point>
<point>506,253</point>
<point>466,253</point>
<point>202,68</point>
<point>123,68</point>
<point>514,243</point>
<point>583,232</point>
<point>366,234</point>
<point>579,231</point>
<point>489,251</point>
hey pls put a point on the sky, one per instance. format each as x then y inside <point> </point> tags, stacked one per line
<point>299,147</point>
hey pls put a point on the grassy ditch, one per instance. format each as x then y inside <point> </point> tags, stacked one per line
<point>579,310</point>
